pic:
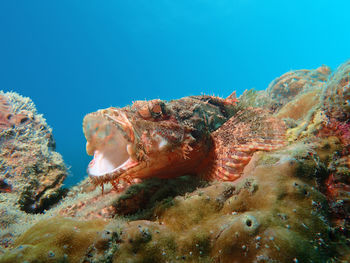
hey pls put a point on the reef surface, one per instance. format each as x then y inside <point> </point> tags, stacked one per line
<point>31,171</point>
<point>290,204</point>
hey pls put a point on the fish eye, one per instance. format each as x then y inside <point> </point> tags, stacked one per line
<point>154,110</point>
<point>157,109</point>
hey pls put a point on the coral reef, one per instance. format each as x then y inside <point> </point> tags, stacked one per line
<point>297,108</point>
<point>274,213</point>
<point>286,88</point>
<point>31,171</point>
<point>58,240</point>
<point>28,159</point>
<point>289,85</point>
<point>329,118</point>
<point>85,203</point>
<point>290,203</point>
<point>337,94</point>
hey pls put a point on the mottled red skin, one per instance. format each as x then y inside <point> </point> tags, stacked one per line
<point>334,188</point>
<point>334,127</point>
<point>235,142</point>
<point>200,135</point>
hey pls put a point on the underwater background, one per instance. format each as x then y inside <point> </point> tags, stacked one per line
<point>74,57</point>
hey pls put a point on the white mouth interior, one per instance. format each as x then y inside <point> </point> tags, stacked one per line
<point>110,153</point>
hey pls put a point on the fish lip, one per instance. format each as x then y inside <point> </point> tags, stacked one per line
<point>118,118</point>
<point>117,173</point>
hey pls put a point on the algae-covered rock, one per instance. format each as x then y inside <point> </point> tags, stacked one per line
<point>31,171</point>
<point>286,88</point>
<point>58,240</point>
<point>29,162</point>
<point>138,200</point>
<point>337,94</point>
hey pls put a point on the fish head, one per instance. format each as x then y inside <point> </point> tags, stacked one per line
<point>146,139</point>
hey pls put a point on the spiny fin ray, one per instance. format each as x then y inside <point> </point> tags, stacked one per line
<point>236,141</point>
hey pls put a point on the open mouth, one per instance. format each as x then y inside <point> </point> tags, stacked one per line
<point>107,142</point>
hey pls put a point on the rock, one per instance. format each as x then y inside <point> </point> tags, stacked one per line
<point>57,240</point>
<point>31,171</point>
<point>286,88</point>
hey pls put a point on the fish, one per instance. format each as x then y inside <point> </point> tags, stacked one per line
<point>205,136</point>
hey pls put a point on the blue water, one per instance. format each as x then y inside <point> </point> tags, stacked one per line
<point>74,57</point>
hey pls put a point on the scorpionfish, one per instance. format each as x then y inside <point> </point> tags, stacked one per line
<point>203,135</point>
